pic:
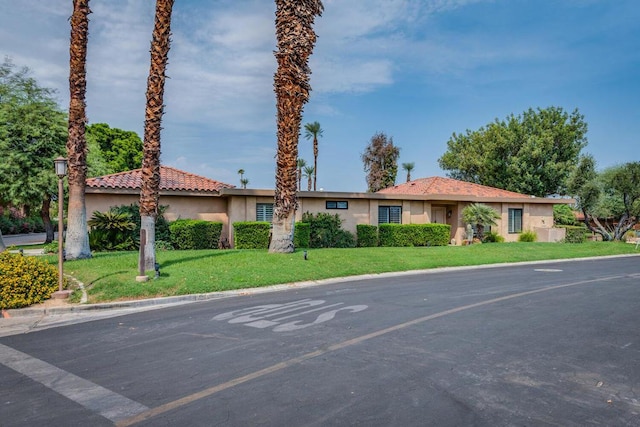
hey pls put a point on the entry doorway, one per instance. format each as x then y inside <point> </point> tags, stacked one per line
<point>438,215</point>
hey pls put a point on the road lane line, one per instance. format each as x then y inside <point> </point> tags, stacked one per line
<point>110,405</point>
<point>339,346</point>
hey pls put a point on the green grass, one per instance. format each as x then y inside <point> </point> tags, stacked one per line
<point>111,276</point>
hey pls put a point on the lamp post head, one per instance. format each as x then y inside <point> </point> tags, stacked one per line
<point>61,166</point>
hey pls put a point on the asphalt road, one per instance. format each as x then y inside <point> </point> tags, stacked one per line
<point>538,345</point>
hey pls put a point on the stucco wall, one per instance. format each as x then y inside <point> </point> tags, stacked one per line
<point>240,207</point>
<point>208,208</point>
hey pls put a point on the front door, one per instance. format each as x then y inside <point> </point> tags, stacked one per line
<point>438,215</point>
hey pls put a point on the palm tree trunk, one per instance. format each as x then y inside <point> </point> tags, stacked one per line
<point>315,161</point>
<point>295,38</point>
<point>77,237</point>
<point>149,193</point>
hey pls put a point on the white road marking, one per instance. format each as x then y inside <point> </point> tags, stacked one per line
<point>256,317</point>
<point>107,403</point>
<point>548,270</point>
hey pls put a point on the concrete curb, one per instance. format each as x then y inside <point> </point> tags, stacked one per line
<point>184,299</point>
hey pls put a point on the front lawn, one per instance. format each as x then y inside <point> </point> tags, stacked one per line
<point>111,276</point>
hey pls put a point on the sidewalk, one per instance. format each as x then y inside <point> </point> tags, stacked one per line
<point>25,239</point>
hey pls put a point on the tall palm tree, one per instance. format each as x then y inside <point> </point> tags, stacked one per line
<point>300,163</point>
<point>408,167</point>
<point>149,193</point>
<point>480,215</point>
<point>295,40</point>
<point>241,173</point>
<point>77,239</point>
<point>309,174</point>
<point>244,182</point>
<point>313,130</point>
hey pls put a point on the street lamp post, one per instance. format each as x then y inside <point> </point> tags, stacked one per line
<point>61,170</point>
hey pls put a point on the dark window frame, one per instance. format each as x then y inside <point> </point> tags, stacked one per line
<point>515,220</point>
<point>264,212</point>
<point>392,215</point>
<point>336,204</point>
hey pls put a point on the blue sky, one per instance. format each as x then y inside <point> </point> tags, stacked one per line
<point>416,70</point>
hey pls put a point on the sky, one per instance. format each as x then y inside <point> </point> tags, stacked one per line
<point>417,70</point>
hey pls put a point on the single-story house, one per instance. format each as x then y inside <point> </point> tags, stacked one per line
<point>427,200</point>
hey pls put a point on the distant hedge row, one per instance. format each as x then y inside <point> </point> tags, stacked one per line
<point>255,235</point>
<point>195,234</point>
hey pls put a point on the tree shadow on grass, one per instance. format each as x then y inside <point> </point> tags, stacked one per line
<point>194,257</point>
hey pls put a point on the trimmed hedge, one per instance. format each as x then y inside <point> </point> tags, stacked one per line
<point>302,235</point>
<point>367,235</point>
<point>575,233</point>
<point>195,234</point>
<point>25,280</point>
<point>414,234</point>
<point>251,234</point>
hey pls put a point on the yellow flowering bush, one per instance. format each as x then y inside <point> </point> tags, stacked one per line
<point>25,280</point>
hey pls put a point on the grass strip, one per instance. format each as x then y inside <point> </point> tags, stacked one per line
<point>111,276</point>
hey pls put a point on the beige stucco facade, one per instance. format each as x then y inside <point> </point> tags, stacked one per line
<point>234,205</point>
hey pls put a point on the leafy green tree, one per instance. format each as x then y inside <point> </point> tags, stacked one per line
<point>533,153</point>
<point>120,150</point>
<point>380,160</point>
<point>33,132</point>
<point>610,200</point>
<point>563,215</point>
<point>480,216</point>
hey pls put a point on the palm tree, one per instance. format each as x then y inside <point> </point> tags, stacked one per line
<point>149,193</point>
<point>295,40</point>
<point>480,215</point>
<point>408,167</point>
<point>300,164</point>
<point>244,182</point>
<point>309,172</point>
<point>313,130</point>
<point>77,237</point>
<point>241,173</point>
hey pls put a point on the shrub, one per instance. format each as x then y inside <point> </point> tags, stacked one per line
<point>112,231</point>
<point>563,215</point>
<point>492,237</point>
<point>162,226</point>
<point>302,235</point>
<point>195,234</point>
<point>527,236</point>
<point>367,235</point>
<point>25,280</point>
<point>251,234</point>
<point>575,234</point>
<point>7,226</point>
<point>414,234</point>
<point>326,231</point>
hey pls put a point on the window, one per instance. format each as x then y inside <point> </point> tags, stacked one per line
<point>515,220</point>
<point>389,214</point>
<point>264,212</point>
<point>332,204</point>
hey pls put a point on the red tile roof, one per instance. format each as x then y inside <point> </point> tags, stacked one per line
<point>447,186</point>
<point>170,179</point>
